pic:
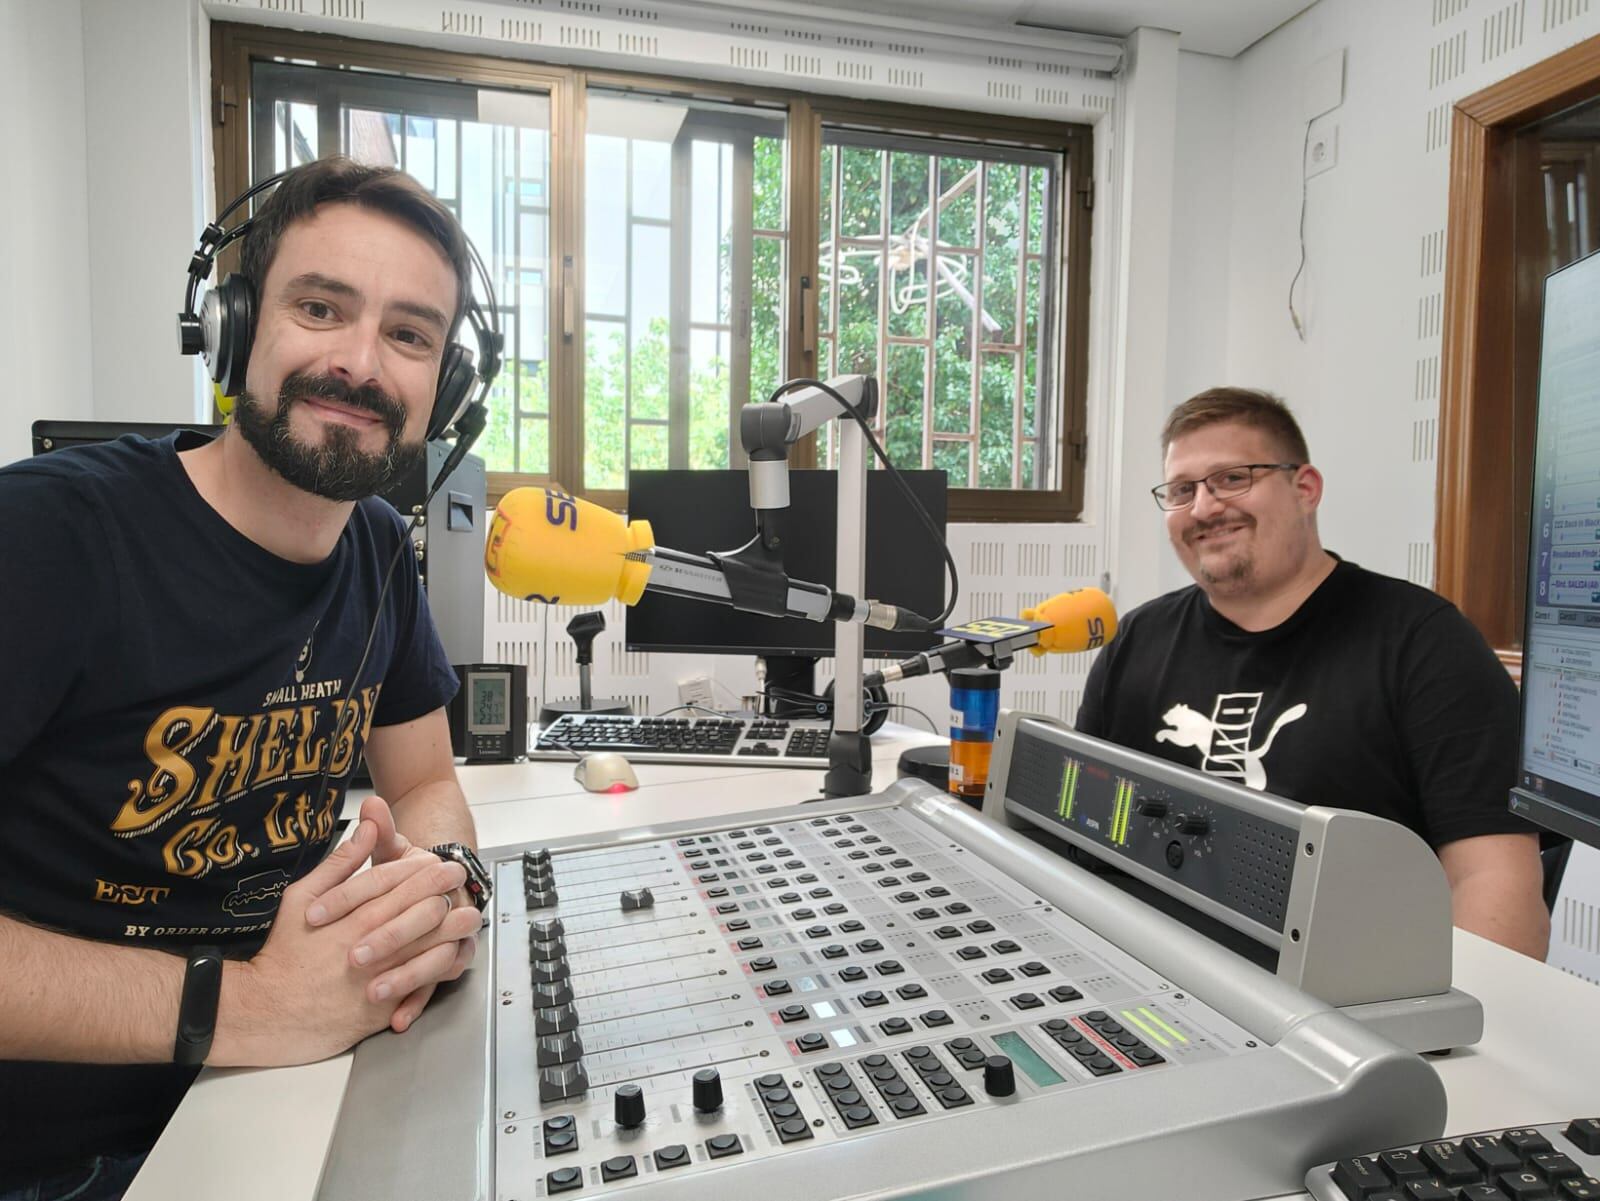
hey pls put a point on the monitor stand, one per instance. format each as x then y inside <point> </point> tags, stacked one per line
<point>792,673</point>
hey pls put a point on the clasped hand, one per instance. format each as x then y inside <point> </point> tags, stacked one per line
<point>352,951</point>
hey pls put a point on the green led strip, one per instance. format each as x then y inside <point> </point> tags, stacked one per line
<point>1069,790</point>
<point>1149,1032</point>
<point>1124,809</point>
<point>1147,1013</point>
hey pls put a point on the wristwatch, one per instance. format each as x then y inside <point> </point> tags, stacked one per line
<point>197,1009</point>
<point>478,886</point>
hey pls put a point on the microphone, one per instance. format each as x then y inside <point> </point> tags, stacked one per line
<point>1068,622</point>
<point>549,546</point>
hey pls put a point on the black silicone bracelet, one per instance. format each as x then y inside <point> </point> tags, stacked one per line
<point>197,1011</point>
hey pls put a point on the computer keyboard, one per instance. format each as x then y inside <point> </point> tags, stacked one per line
<point>1558,1162</point>
<point>769,742</point>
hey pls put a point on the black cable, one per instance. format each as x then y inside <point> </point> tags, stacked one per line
<point>894,472</point>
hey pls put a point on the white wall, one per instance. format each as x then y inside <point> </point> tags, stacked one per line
<point>146,71</point>
<point>46,327</point>
<point>1365,381</point>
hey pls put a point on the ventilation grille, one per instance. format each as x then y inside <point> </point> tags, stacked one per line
<point>1033,558</point>
<point>1502,31</point>
<point>802,64</point>
<point>1419,564</point>
<point>988,558</point>
<point>637,43</point>
<point>1448,59</point>
<point>855,43</point>
<point>900,77</point>
<point>1259,863</point>
<point>283,6</point>
<point>1010,64</point>
<point>1444,10</point>
<point>1059,97</point>
<point>802,35</point>
<point>1432,253</point>
<point>857,72</point>
<point>1438,126</point>
<point>345,10</point>
<point>1428,377</point>
<point>1559,12</point>
<point>469,24</point>
<point>919,51</point>
<point>1100,104</point>
<point>1429,310</point>
<point>1577,926</point>
<point>577,35</point>
<point>1424,434</point>
<point>1000,90</point>
<point>749,57</point>
<point>512,30</point>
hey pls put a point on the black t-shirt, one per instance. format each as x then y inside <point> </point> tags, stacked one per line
<point>1375,695</point>
<point>173,692</point>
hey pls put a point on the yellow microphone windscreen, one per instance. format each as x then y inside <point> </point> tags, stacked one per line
<point>550,546</point>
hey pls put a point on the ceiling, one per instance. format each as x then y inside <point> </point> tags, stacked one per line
<point>1223,27</point>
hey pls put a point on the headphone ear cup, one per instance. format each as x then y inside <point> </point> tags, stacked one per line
<point>235,302</point>
<point>456,377</point>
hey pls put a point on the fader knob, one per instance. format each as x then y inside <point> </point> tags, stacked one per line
<point>707,1090</point>
<point>999,1077</point>
<point>629,1106</point>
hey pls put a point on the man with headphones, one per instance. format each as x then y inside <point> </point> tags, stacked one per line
<point>203,638</point>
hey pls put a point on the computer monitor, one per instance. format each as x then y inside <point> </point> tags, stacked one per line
<point>1558,774</point>
<point>700,511</point>
<point>51,435</point>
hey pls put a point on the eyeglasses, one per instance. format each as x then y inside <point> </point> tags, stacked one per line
<point>1229,481</point>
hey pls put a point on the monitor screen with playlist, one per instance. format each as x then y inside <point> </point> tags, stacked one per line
<point>701,511</point>
<point>1558,776</point>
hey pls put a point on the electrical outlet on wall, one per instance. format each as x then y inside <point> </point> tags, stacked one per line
<point>1322,151</point>
<point>695,690</point>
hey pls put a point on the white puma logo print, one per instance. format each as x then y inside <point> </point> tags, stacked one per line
<point>1223,739</point>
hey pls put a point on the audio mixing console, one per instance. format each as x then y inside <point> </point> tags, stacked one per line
<point>885,997</point>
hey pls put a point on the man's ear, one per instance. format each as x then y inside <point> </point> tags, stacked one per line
<point>1308,486</point>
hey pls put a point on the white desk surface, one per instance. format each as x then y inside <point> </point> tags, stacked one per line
<point>261,1134</point>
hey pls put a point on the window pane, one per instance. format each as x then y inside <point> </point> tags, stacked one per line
<point>708,406</point>
<point>605,391</point>
<point>905,386</point>
<point>861,194</point>
<point>997,406</point>
<point>673,191</point>
<point>952,377</point>
<point>960,291</point>
<point>766,318</point>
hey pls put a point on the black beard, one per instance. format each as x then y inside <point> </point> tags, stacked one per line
<point>338,469</point>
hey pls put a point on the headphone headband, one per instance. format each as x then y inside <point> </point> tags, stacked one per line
<point>223,328</point>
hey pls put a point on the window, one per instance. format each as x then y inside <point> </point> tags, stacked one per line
<point>684,241</point>
<point>666,252</point>
<point>935,270</point>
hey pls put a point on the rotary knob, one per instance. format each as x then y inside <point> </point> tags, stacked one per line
<point>1194,824</point>
<point>629,1103</point>
<point>1154,809</point>
<point>999,1077</point>
<point>707,1090</point>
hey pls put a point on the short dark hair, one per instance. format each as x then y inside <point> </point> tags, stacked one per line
<point>1247,406</point>
<point>340,180</point>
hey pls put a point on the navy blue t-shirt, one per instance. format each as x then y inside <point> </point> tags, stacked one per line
<point>173,694</point>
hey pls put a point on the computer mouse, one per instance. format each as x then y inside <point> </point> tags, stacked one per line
<point>605,771</point>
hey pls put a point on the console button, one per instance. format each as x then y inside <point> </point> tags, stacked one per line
<point>563,1180</point>
<point>675,1156</point>
<point>619,1167</point>
<point>721,1145</point>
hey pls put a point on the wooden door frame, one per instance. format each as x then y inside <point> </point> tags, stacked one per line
<point>1475,525</point>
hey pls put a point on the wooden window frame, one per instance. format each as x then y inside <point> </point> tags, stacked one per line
<point>1482,498</point>
<point>235,46</point>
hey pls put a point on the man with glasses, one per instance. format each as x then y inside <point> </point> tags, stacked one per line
<point>1290,670</point>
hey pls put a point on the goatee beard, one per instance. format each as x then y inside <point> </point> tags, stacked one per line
<point>338,469</point>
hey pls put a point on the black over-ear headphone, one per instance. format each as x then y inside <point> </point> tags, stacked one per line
<point>225,325</point>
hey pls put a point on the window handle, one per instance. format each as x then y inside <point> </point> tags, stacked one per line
<point>568,325</point>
